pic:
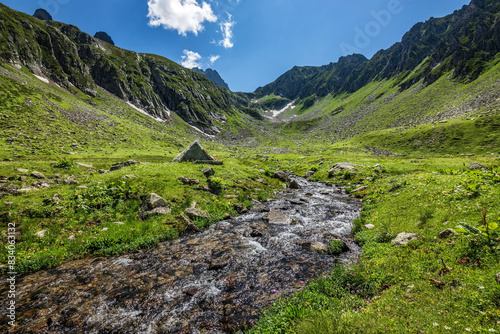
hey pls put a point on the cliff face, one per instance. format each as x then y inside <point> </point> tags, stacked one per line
<point>70,57</point>
<point>463,42</point>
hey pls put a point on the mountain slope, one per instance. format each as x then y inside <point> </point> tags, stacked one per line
<point>463,42</point>
<point>70,57</point>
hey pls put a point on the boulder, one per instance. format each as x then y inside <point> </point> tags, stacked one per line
<point>120,165</point>
<point>309,174</point>
<point>209,171</point>
<point>315,246</point>
<point>189,228</point>
<point>403,238</point>
<point>104,37</point>
<point>194,152</point>
<point>275,217</point>
<point>22,170</point>
<point>196,213</point>
<point>449,232</point>
<point>476,166</point>
<point>281,176</point>
<point>295,185</point>
<point>42,14</point>
<point>37,175</point>
<point>41,234</point>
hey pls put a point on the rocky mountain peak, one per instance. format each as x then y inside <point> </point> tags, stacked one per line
<point>104,37</point>
<point>213,75</point>
<point>42,14</point>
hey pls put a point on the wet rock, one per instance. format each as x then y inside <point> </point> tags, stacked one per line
<point>218,264</point>
<point>403,238</point>
<point>309,174</point>
<point>282,176</point>
<point>449,232</point>
<point>275,217</point>
<point>240,208</point>
<point>209,171</point>
<point>154,205</point>
<point>22,170</point>
<point>194,152</point>
<point>476,166</point>
<point>188,181</point>
<point>315,246</point>
<point>37,175</point>
<point>41,234</point>
<point>369,226</point>
<point>196,213</point>
<point>294,184</point>
<point>120,165</point>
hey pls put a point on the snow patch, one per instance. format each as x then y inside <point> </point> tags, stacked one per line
<point>145,113</point>
<point>277,112</point>
<point>42,78</point>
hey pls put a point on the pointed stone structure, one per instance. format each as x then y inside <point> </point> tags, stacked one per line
<point>194,152</point>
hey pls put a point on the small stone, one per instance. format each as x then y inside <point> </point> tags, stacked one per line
<point>447,233</point>
<point>23,178</point>
<point>71,237</point>
<point>309,174</point>
<point>240,208</point>
<point>8,203</point>
<point>188,181</point>
<point>41,234</point>
<point>37,175</point>
<point>118,223</point>
<point>227,216</point>
<point>230,196</point>
<point>295,185</point>
<point>369,226</point>
<point>404,237</point>
<point>104,229</point>
<point>103,171</point>
<point>81,187</point>
<point>22,170</point>
<point>120,165</point>
<point>208,171</point>
<point>342,166</point>
<point>130,176</point>
<point>260,180</point>
<point>196,213</point>
<point>379,167</point>
<point>498,278</point>
<point>359,189</point>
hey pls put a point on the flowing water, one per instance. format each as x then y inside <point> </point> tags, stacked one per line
<point>215,281</point>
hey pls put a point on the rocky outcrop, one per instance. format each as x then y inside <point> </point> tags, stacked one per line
<point>104,37</point>
<point>403,238</point>
<point>154,205</point>
<point>42,14</point>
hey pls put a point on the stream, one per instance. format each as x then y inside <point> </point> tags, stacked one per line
<point>216,281</point>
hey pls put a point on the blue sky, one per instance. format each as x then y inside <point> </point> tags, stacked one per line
<point>249,42</point>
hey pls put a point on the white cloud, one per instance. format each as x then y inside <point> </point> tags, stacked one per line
<point>213,59</point>
<point>227,32</point>
<point>190,59</point>
<point>181,15</point>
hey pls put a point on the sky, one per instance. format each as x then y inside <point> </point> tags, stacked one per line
<point>249,42</point>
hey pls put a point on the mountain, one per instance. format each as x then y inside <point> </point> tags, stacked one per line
<point>103,36</point>
<point>463,42</point>
<point>213,75</point>
<point>72,58</point>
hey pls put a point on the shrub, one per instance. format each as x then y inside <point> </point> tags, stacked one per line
<point>64,163</point>
<point>215,184</point>
<point>336,247</point>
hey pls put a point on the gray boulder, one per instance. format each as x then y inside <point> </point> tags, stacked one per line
<point>341,166</point>
<point>37,175</point>
<point>188,181</point>
<point>309,174</point>
<point>194,152</point>
<point>449,232</point>
<point>403,238</point>
<point>120,165</point>
<point>315,246</point>
<point>295,185</point>
<point>476,166</point>
<point>209,171</point>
